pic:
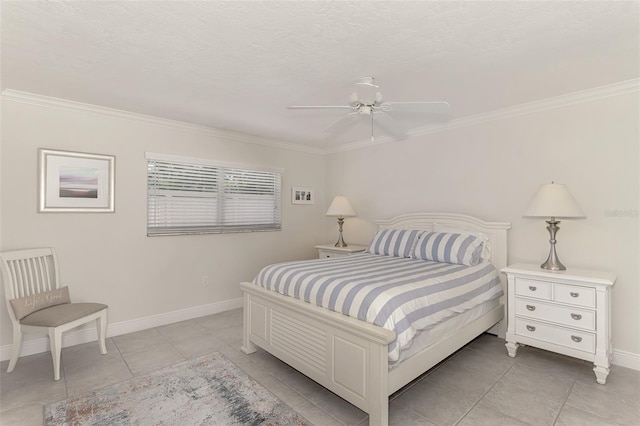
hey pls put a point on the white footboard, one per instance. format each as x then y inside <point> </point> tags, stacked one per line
<point>347,356</point>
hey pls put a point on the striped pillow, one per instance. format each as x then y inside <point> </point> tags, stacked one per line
<point>449,247</point>
<point>486,244</point>
<point>394,242</point>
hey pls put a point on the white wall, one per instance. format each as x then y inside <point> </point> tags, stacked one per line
<point>492,170</point>
<point>107,257</point>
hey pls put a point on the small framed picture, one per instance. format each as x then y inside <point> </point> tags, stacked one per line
<point>300,195</point>
<point>75,182</point>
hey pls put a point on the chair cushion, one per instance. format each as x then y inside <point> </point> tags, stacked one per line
<point>55,316</point>
<point>30,304</point>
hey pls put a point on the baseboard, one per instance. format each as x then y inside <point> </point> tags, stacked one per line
<point>89,334</point>
<point>626,359</point>
<point>72,338</point>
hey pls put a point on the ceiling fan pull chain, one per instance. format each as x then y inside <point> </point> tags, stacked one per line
<point>371,126</point>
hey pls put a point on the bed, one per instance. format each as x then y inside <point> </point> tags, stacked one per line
<point>355,359</point>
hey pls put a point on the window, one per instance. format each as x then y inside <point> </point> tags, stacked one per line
<point>191,196</point>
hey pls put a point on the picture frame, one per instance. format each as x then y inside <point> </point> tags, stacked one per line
<point>75,182</point>
<point>301,195</point>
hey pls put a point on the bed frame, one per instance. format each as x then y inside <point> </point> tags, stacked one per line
<point>348,356</point>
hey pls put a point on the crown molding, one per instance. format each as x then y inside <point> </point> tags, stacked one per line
<point>596,93</point>
<point>601,92</point>
<point>68,105</point>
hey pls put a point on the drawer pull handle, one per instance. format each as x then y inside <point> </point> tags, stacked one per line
<point>532,328</point>
<point>531,307</point>
<point>573,294</point>
<point>576,339</point>
<point>576,316</point>
<point>533,288</point>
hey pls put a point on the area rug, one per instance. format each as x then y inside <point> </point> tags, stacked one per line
<point>209,390</point>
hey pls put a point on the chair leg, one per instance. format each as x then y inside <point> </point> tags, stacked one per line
<point>55,340</point>
<point>101,326</point>
<point>15,348</point>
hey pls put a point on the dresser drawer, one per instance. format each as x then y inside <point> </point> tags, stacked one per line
<point>326,251</point>
<point>565,315</point>
<point>533,288</point>
<point>578,340</point>
<point>323,254</point>
<point>575,295</point>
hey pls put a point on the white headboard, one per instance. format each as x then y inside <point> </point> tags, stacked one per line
<point>495,231</point>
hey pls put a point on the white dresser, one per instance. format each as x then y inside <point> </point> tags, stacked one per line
<point>330,250</point>
<point>567,312</point>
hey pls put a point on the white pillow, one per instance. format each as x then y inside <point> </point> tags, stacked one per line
<point>394,242</point>
<point>486,244</point>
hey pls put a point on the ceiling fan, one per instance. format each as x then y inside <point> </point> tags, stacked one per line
<point>366,101</point>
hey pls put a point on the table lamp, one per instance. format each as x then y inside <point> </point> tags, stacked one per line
<point>340,208</point>
<point>554,201</point>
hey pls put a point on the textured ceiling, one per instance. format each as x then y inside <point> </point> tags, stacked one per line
<point>237,65</point>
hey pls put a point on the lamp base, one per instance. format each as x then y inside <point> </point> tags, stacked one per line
<point>553,263</point>
<point>340,242</point>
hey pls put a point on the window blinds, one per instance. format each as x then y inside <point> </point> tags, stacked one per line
<point>190,196</point>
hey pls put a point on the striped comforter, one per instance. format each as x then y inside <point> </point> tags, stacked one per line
<point>399,294</point>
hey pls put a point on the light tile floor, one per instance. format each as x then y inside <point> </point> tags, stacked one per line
<point>479,385</point>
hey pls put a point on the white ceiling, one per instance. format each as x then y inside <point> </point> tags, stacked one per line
<point>236,65</point>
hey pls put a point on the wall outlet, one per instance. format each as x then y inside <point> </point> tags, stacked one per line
<point>205,280</point>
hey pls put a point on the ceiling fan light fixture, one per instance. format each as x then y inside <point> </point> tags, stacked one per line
<point>366,91</point>
<point>367,81</point>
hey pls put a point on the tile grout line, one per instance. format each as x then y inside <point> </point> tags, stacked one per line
<point>424,377</point>
<point>123,358</point>
<point>186,358</point>
<point>485,394</point>
<point>308,401</point>
<point>564,402</point>
<point>324,411</point>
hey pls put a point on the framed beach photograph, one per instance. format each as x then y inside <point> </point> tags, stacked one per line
<point>75,182</point>
<point>301,195</point>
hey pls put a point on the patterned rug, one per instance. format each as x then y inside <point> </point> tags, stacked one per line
<point>209,390</point>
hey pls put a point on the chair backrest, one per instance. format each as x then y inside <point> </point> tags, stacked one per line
<point>27,272</point>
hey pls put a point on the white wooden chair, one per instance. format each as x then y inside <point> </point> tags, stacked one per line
<point>30,272</point>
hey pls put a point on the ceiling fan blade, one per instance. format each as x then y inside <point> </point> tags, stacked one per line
<point>343,123</point>
<point>319,107</point>
<point>389,124</point>
<point>417,107</point>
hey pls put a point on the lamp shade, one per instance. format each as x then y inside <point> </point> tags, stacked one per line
<point>340,207</point>
<point>554,200</point>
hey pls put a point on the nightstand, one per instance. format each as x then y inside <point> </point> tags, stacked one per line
<point>568,312</point>
<point>330,250</point>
